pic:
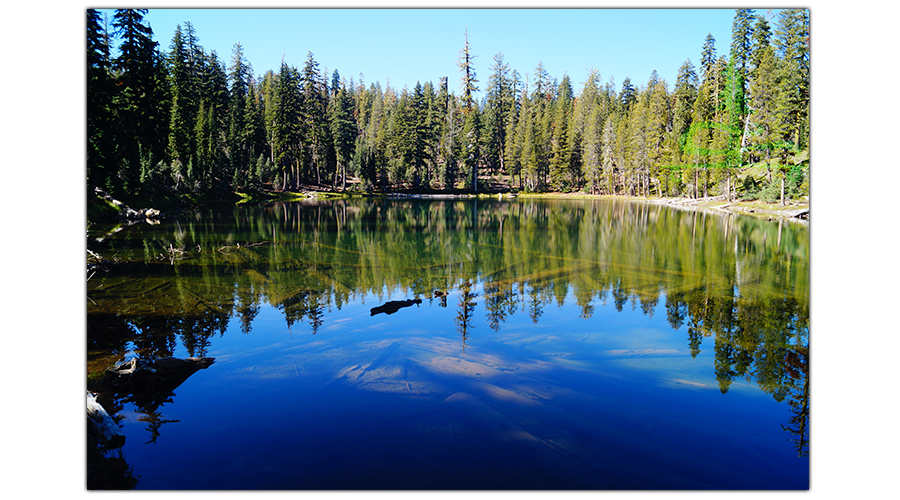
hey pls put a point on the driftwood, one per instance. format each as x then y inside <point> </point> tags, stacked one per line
<point>394,306</point>
<point>103,424</point>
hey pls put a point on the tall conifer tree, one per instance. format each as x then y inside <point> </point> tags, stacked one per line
<point>141,113</point>
<point>101,140</point>
<point>742,41</point>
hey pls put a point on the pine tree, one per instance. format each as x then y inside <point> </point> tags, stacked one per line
<point>560,149</point>
<point>541,82</point>
<point>762,35</point>
<point>639,135</point>
<point>697,140</point>
<point>471,148</point>
<point>685,95</point>
<point>254,134</point>
<point>314,130</point>
<point>141,111</point>
<point>375,134</point>
<point>428,130</point>
<point>512,151</point>
<point>286,125</point>
<point>608,153</point>
<point>792,46</point>
<point>211,125</point>
<point>587,127</point>
<point>708,57</point>
<point>468,78</point>
<point>529,134</point>
<point>658,127</point>
<point>343,131</point>
<point>627,96</point>
<point>742,41</point>
<point>238,146</point>
<point>472,122</point>
<point>768,118</point>
<point>592,165</point>
<point>451,128</point>
<point>100,131</point>
<point>497,108</point>
<point>623,153</point>
<point>729,131</point>
<point>183,85</point>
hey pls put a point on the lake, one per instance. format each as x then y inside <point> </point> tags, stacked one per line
<point>460,344</point>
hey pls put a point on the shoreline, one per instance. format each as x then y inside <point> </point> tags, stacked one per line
<point>794,211</point>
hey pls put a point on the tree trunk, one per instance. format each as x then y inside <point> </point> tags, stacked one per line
<point>727,186</point>
<point>103,423</point>
<point>706,183</point>
<point>696,183</point>
<point>782,189</point>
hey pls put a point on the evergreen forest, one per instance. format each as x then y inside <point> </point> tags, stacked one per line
<point>182,121</point>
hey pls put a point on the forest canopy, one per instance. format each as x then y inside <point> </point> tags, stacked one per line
<point>179,119</point>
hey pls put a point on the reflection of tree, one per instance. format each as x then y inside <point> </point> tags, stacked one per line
<point>536,301</point>
<point>619,296</point>
<point>649,302</point>
<point>248,305</point>
<point>157,335</point>
<point>154,420</point>
<point>732,279</point>
<point>148,383</point>
<point>466,311</point>
<point>583,297</point>
<point>316,313</point>
<point>676,310</point>
<point>797,361</point>
<point>294,307</point>
<point>107,469</point>
<point>694,340</point>
<point>499,301</point>
<point>723,363</point>
<point>305,304</point>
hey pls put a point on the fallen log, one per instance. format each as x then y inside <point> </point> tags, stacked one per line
<point>801,214</point>
<point>149,379</point>
<point>128,214</point>
<point>103,424</point>
<point>394,306</point>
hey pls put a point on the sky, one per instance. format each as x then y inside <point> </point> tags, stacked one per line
<point>405,46</point>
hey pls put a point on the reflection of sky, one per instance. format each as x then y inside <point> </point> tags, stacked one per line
<point>613,401</point>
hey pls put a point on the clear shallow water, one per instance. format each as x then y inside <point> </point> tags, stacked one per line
<point>580,345</point>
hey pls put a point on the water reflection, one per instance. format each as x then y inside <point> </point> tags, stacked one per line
<point>736,287</point>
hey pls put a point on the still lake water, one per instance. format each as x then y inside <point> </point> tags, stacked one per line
<point>578,344</point>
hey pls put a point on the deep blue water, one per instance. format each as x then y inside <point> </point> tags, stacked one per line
<point>443,395</point>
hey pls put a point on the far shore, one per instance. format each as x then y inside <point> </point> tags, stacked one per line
<point>793,210</point>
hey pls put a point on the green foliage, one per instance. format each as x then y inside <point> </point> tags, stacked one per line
<point>708,56</point>
<point>770,191</point>
<point>211,127</point>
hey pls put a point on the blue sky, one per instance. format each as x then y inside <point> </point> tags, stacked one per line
<point>403,46</point>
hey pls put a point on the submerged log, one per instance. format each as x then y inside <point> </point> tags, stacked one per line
<point>103,424</point>
<point>151,378</point>
<point>394,306</point>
